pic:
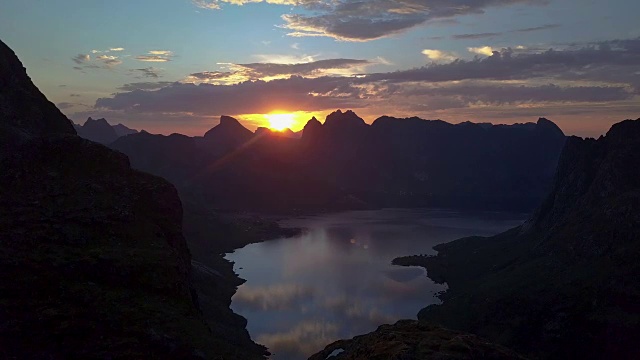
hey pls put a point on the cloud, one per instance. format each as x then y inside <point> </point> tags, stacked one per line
<point>349,20</point>
<point>483,50</point>
<point>116,49</point>
<point>109,61</point>
<point>494,34</point>
<point>356,20</point>
<point>81,58</point>
<point>148,72</point>
<point>538,28</point>
<point>156,56</point>
<point>475,36</point>
<point>250,97</point>
<point>145,85</point>
<point>569,63</point>
<point>439,55</point>
<point>498,93</point>
<point>589,74</point>
<point>261,70</point>
<point>161,52</point>
<point>268,70</point>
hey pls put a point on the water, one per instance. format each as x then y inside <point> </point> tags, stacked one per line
<point>336,281</point>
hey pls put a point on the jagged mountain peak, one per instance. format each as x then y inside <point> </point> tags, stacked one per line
<point>338,118</point>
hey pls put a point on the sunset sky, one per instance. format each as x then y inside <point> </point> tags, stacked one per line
<point>177,65</point>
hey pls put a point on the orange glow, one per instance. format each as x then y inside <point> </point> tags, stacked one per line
<point>280,122</point>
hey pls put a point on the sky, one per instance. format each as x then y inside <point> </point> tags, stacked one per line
<point>177,65</point>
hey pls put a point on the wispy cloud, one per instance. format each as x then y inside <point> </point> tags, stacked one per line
<point>494,34</point>
<point>156,56</point>
<point>148,72</point>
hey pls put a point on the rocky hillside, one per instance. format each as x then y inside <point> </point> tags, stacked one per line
<point>93,263</point>
<point>413,340</point>
<point>563,285</point>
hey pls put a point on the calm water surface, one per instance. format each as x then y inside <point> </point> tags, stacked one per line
<point>336,281</point>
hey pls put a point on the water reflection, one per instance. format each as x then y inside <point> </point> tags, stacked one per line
<point>336,280</point>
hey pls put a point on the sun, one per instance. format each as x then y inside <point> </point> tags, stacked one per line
<point>280,122</point>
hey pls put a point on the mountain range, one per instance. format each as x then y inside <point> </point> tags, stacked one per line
<point>345,163</point>
<point>101,131</point>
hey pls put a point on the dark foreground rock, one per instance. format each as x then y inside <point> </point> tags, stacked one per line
<point>413,340</point>
<point>93,261</point>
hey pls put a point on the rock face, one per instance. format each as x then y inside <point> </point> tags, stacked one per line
<point>25,111</point>
<point>93,263</point>
<point>563,285</point>
<point>413,340</point>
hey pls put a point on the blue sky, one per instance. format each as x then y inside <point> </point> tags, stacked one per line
<point>80,53</point>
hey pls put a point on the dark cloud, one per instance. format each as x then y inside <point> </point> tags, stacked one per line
<point>606,72</point>
<point>507,65</point>
<point>259,70</point>
<point>494,34</point>
<point>538,28</point>
<point>251,97</point>
<point>81,58</point>
<point>475,36</point>
<point>145,85</point>
<point>502,94</point>
<point>148,72</point>
<point>211,75</point>
<point>354,20</point>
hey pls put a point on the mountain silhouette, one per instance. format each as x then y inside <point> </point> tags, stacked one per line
<point>97,130</point>
<point>563,284</point>
<point>225,137</point>
<point>93,262</point>
<point>122,130</point>
<point>346,163</point>
<point>101,131</point>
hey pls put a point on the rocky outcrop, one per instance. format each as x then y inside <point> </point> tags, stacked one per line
<point>413,340</point>
<point>560,286</point>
